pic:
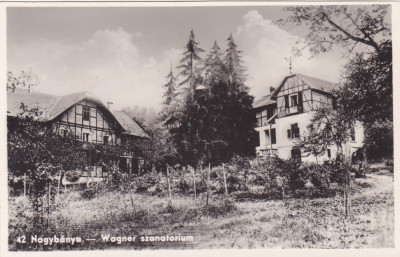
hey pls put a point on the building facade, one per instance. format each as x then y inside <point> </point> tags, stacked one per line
<point>86,118</point>
<point>283,116</point>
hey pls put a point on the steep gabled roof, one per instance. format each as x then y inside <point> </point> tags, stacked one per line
<point>319,84</point>
<point>46,102</point>
<point>52,106</point>
<point>69,100</point>
<point>312,82</point>
<point>263,101</point>
<point>129,125</point>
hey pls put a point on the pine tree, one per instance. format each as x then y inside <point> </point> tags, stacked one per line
<point>216,122</point>
<point>235,69</point>
<point>189,66</point>
<point>169,97</point>
<point>213,66</point>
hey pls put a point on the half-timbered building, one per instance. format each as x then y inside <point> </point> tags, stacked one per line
<point>283,116</point>
<point>85,117</point>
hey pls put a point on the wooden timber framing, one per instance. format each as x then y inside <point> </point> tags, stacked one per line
<point>96,123</point>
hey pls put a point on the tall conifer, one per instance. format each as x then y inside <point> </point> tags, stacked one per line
<point>189,67</point>
<point>169,97</point>
<point>235,70</point>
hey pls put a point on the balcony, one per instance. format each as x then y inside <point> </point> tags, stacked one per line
<point>293,110</point>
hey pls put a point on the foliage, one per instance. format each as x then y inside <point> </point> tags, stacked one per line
<point>189,67</point>
<point>342,25</point>
<point>72,175</point>
<point>169,97</point>
<point>366,94</point>
<point>89,192</point>
<point>214,67</point>
<point>25,80</point>
<point>217,121</point>
<point>234,65</point>
<point>290,225</point>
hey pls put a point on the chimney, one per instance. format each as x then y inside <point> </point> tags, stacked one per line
<point>109,105</point>
<point>271,89</point>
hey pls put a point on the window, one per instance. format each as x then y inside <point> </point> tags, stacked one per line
<point>293,100</point>
<point>85,137</point>
<point>86,112</point>
<point>105,140</point>
<point>294,131</point>
<point>262,118</point>
<point>273,136</point>
<point>296,154</point>
<point>353,134</point>
<point>294,103</point>
<point>64,132</point>
<point>328,151</point>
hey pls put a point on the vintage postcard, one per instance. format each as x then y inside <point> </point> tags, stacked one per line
<point>144,127</point>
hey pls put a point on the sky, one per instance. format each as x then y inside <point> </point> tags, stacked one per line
<point>123,55</point>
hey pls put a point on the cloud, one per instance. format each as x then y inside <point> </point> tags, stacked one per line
<point>108,64</point>
<point>266,48</point>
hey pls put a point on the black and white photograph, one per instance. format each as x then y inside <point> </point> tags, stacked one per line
<point>199,126</point>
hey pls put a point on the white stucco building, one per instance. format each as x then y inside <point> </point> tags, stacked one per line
<point>283,116</point>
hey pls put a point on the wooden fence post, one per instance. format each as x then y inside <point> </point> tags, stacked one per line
<point>208,182</point>
<point>225,186</point>
<point>24,184</point>
<point>59,185</point>
<point>347,187</point>
<point>169,185</point>
<point>49,195</point>
<point>194,183</point>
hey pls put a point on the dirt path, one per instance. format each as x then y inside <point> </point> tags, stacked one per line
<point>382,183</point>
<point>382,187</point>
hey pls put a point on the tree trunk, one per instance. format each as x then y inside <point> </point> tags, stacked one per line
<point>225,186</point>
<point>347,181</point>
<point>59,185</point>
<point>208,183</point>
<point>24,184</point>
<point>169,186</point>
<point>194,183</point>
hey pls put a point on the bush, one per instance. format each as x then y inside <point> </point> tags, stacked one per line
<point>117,180</point>
<point>72,175</point>
<point>220,208</point>
<point>237,174</point>
<point>295,176</point>
<point>360,169</point>
<point>336,171</point>
<point>318,176</point>
<point>89,193</point>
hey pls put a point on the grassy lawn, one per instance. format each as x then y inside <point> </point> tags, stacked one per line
<point>293,223</point>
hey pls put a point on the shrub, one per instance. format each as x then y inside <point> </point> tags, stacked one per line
<point>220,208</point>
<point>336,171</point>
<point>296,177</point>
<point>237,174</point>
<point>89,193</point>
<point>318,176</point>
<point>72,175</point>
<point>117,180</point>
<point>360,169</point>
<point>15,184</point>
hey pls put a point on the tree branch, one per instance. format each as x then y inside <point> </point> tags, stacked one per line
<point>369,42</point>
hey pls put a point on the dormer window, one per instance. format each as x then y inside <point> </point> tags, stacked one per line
<point>294,103</point>
<point>293,100</point>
